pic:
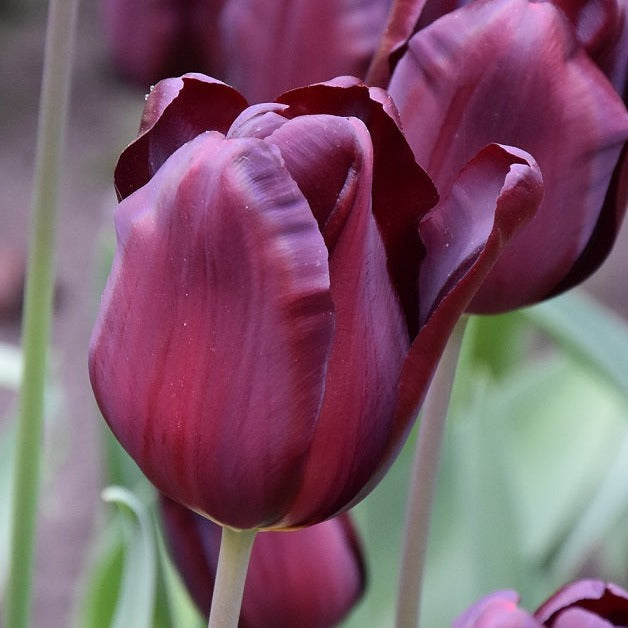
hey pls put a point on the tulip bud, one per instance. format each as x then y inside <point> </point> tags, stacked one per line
<point>263,344</point>
<point>590,603</point>
<point>310,577</point>
<point>514,72</point>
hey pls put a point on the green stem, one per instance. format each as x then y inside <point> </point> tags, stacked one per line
<point>38,306</point>
<point>233,562</point>
<point>423,481</point>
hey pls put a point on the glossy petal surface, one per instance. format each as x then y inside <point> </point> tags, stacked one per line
<point>221,252</point>
<point>308,578</point>
<point>604,600</point>
<point>512,72</point>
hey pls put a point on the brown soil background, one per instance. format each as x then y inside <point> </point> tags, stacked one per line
<point>103,118</point>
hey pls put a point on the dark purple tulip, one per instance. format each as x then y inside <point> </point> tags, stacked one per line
<point>263,344</point>
<point>514,72</point>
<point>262,48</point>
<point>309,578</point>
<point>581,604</point>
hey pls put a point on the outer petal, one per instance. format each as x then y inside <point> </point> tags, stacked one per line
<point>402,191</point>
<point>606,600</point>
<point>176,111</point>
<point>510,71</point>
<point>497,610</point>
<point>370,343</point>
<point>501,183</point>
<point>299,41</point>
<point>220,231</point>
<point>579,618</point>
<point>308,578</point>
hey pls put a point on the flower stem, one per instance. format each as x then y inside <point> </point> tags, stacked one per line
<point>233,562</point>
<point>423,481</point>
<point>402,19</point>
<point>38,306</point>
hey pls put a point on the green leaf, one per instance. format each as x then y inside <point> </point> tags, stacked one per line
<point>587,330</point>
<point>608,505</point>
<point>137,594</point>
<point>179,608</point>
<point>98,602</point>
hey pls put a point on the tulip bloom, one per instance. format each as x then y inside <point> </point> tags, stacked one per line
<point>590,603</point>
<point>262,48</point>
<point>263,343</point>
<point>309,578</point>
<point>515,72</point>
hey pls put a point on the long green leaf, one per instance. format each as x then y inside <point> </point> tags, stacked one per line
<point>137,595</point>
<point>588,331</point>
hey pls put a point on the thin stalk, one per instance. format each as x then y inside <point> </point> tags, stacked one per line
<point>233,562</point>
<point>423,481</point>
<point>38,306</point>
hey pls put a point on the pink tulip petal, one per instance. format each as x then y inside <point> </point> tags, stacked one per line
<point>497,610</point>
<point>579,618</point>
<point>605,600</point>
<point>510,71</point>
<point>220,231</point>
<point>275,46</point>
<point>176,111</point>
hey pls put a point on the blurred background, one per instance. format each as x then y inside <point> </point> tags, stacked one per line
<point>104,116</point>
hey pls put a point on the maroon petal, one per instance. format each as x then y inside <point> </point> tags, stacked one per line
<point>301,42</point>
<point>176,111</point>
<point>510,71</point>
<point>402,191</point>
<point>308,578</point>
<point>223,274</point>
<point>605,600</point>
<point>502,183</point>
<point>497,610</point>
<point>370,343</point>
<point>602,28</point>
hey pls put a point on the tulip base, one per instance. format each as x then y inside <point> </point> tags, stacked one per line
<point>233,562</point>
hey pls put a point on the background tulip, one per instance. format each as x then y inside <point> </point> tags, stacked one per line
<point>309,578</point>
<point>262,48</point>
<point>512,71</point>
<point>287,347</point>
<point>590,603</point>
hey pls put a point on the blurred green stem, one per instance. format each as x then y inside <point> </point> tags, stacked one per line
<point>38,306</point>
<point>233,562</point>
<point>423,481</point>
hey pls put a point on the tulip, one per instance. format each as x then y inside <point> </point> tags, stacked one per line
<point>262,48</point>
<point>590,603</point>
<point>309,578</point>
<point>263,344</point>
<point>514,72</point>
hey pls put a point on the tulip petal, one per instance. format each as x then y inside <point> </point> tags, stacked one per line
<point>307,578</point>
<point>606,600</point>
<point>220,230</point>
<point>511,71</point>
<point>176,111</point>
<point>497,610</point>
<point>301,42</point>
<point>579,618</point>
<point>501,183</point>
<point>370,344</point>
<point>402,191</point>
